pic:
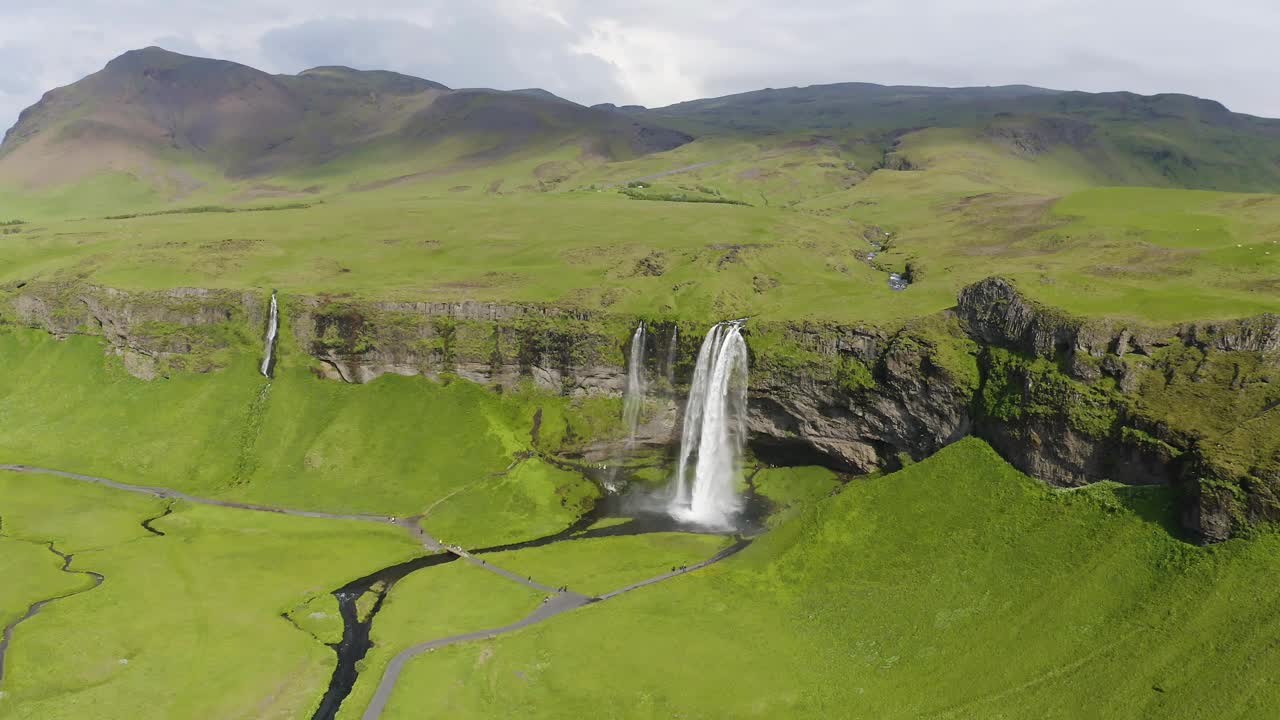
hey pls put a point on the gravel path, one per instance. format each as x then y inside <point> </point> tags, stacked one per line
<point>551,607</point>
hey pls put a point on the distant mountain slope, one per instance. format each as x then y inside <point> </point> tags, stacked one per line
<point>1174,140</point>
<point>151,109</point>
<point>154,127</point>
<point>847,105</point>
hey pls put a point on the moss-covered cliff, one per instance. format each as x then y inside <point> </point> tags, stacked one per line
<point>1069,400</point>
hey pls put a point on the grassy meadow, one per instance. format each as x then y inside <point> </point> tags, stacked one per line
<point>460,597</point>
<point>955,588</point>
<point>297,441</point>
<point>187,624</point>
<point>972,210</point>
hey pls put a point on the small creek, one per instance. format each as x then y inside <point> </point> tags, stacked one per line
<point>35,607</point>
<point>146,524</point>
<point>897,281</point>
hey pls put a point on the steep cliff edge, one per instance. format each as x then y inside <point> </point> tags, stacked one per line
<point>183,329</point>
<point>1069,400</point>
<point>1074,401</point>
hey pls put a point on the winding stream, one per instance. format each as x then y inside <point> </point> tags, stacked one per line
<point>897,281</point>
<point>7,637</point>
<point>146,524</point>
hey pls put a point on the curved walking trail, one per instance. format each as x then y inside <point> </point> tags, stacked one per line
<point>555,605</point>
<point>7,637</point>
<point>560,601</point>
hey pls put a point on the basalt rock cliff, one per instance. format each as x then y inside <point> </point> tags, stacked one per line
<point>1067,400</point>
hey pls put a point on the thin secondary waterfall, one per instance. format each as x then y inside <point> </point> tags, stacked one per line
<point>714,431</point>
<point>273,326</point>
<point>633,400</point>
<point>672,348</point>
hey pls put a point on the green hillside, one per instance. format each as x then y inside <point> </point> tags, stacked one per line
<point>1163,140</point>
<point>957,588</point>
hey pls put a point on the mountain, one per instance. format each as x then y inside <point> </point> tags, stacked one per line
<point>162,126</point>
<point>152,108</point>
<point>1123,138</point>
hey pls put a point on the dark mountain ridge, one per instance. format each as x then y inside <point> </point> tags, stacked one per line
<point>153,105</point>
<point>153,108</point>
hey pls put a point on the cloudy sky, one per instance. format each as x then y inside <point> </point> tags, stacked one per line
<point>655,52</point>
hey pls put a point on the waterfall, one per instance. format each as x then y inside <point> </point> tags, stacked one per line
<point>714,430</point>
<point>273,325</point>
<point>633,400</point>
<point>672,348</point>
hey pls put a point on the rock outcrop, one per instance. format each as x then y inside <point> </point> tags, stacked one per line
<point>862,399</point>
<point>490,343</point>
<point>152,332</point>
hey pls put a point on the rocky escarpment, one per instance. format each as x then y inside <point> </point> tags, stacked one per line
<point>994,311</point>
<point>1193,406</point>
<point>862,398</point>
<point>1068,400</point>
<point>183,329</point>
<point>562,350</point>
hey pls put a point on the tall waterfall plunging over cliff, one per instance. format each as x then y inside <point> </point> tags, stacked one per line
<point>714,431</point>
<point>273,326</point>
<point>633,399</point>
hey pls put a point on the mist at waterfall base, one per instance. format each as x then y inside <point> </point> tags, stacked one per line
<point>704,487</point>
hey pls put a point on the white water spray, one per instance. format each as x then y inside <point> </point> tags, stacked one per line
<point>714,431</point>
<point>273,326</point>
<point>633,399</point>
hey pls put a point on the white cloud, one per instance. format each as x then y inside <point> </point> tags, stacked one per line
<point>648,62</point>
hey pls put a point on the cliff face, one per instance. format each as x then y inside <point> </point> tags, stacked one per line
<point>490,343</point>
<point>1074,401</point>
<point>859,397</point>
<point>183,329</point>
<point>1067,400</point>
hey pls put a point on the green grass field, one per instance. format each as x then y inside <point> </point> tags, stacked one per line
<point>185,625</point>
<point>303,442</point>
<point>460,597</point>
<point>1158,255</point>
<point>596,566</point>
<point>447,600</point>
<point>955,588</point>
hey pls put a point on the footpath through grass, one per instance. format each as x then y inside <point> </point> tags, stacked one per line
<point>956,588</point>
